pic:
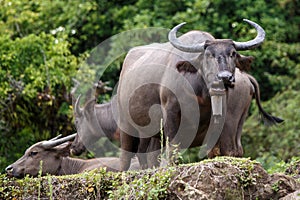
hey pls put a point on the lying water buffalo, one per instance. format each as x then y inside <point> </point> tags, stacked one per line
<point>173,81</point>
<point>54,155</point>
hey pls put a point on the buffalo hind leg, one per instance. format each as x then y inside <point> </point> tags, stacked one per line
<point>142,152</point>
<point>153,152</point>
<point>239,132</point>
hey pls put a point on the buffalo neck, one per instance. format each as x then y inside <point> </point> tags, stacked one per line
<point>71,166</point>
<point>106,120</point>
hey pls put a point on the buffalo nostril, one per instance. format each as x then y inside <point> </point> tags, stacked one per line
<point>9,168</point>
<point>232,79</point>
<point>225,76</point>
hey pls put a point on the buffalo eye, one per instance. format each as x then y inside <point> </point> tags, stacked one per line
<point>209,54</point>
<point>33,153</point>
<point>76,122</point>
<point>233,54</point>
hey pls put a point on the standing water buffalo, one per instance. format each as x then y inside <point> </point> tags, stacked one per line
<point>54,155</point>
<point>173,80</point>
<point>92,122</point>
<point>95,121</point>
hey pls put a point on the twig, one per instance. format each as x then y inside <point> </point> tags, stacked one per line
<point>202,168</point>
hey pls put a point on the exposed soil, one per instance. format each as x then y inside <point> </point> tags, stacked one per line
<point>220,178</point>
<point>230,179</point>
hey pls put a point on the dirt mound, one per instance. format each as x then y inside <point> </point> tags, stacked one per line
<point>230,178</point>
<point>220,178</point>
<point>292,196</point>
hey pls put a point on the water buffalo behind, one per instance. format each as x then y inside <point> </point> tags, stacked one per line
<point>157,82</point>
<point>93,121</point>
<point>54,155</point>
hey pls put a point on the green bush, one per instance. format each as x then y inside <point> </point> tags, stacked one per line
<point>34,90</point>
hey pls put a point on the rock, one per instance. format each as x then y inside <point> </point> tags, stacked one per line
<point>293,196</point>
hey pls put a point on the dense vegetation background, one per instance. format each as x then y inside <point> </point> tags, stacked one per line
<point>43,42</point>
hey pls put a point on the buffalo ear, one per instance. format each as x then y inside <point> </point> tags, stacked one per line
<point>64,149</point>
<point>244,62</point>
<point>185,66</point>
<point>89,106</point>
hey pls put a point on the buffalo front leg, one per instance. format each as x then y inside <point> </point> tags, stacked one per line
<point>230,140</point>
<point>127,150</point>
<point>171,125</point>
<point>228,144</point>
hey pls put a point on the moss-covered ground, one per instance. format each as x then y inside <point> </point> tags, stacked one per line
<point>219,178</point>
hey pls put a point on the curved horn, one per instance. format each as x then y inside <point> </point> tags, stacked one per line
<point>55,138</point>
<point>77,109</point>
<point>53,143</point>
<point>76,85</point>
<point>258,40</point>
<point>192,48</point>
